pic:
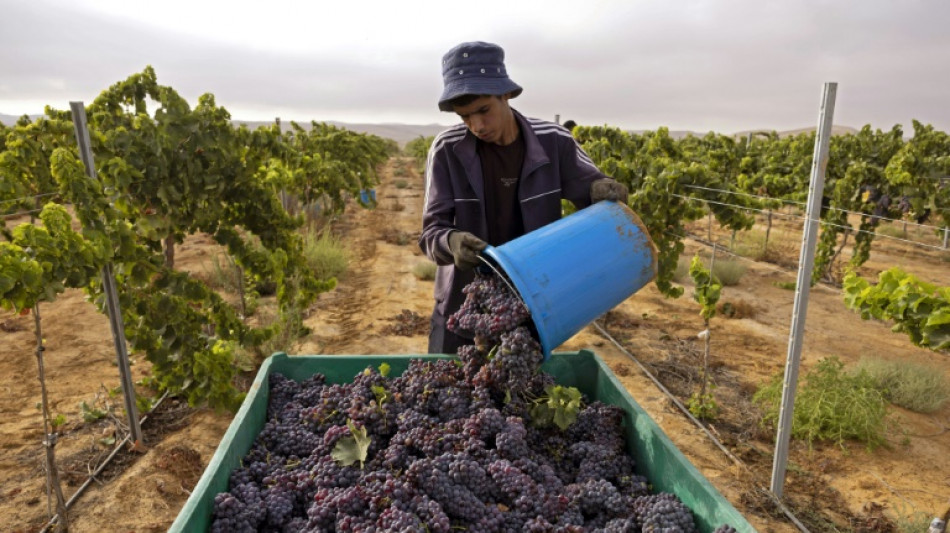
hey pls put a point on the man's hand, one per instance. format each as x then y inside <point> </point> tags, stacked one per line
<point>608,189</point>
<point>465,247</point>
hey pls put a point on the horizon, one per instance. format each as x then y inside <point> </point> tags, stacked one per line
<point>905,127</point>
<point>702,65</point>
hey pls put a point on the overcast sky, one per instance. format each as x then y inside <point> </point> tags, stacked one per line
<point>690,65</point>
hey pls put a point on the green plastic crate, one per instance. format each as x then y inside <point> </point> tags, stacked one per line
<point>656,456</point>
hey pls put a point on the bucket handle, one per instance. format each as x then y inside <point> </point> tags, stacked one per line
<point>500,274</point>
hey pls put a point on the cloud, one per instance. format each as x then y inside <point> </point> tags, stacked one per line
<point>698,64</point>
<point>76,54</point>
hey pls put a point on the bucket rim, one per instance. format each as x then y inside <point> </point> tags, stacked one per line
<point>495,258</point>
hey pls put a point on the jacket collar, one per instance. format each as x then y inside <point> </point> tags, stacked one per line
<point>534,155</point>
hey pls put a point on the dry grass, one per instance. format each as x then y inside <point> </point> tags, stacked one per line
<point>736,309</point>
<point>397,206</point>
<point>325,254</point>
<point>917,387</point>
<point>424,271</point>
<point>728,271</point>
<point>782,248</point>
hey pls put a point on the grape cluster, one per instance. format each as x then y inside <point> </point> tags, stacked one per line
<point>663,512</point>
<point>452,447</point>
<point>489,310</point>
<point>506,357</point>
<point>725,528</point>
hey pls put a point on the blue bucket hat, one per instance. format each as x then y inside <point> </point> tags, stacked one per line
<point>475,68</point>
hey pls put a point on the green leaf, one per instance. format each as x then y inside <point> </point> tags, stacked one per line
<point>541,415</point>
<point>564,418</point>
<point>384,370</point>
<point>382,395</point>
<point>939,317</point>
<point>352,448</point>
<point>90,414</point>
<point>559,405</point>
<point>58,421</point>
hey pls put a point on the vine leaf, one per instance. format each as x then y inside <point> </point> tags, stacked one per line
<point>352,448</point>
<point>381,394</point>
<point>919,309</point>
<point>558,406</point>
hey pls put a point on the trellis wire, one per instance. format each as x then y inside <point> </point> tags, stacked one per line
<point>32,197</point>
<point>764,265</point>
<point>19,213</point>
<point>788,513</point>
<point>92,477</point>
<point>830,208</point>
<point>799,217</point>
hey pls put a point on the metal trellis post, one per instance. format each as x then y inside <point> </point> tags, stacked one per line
<point>805,265</point>
<point>108,285</point>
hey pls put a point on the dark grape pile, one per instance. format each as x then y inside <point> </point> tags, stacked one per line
<point>452,448</point>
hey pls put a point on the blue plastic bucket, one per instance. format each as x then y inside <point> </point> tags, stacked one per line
<point>366,195</point>
<point>573,270</point>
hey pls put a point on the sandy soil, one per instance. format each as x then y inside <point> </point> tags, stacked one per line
<point>143,492</point>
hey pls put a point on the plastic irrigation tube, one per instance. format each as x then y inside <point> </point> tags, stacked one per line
<point>700,425</point>
<point>89,480</point>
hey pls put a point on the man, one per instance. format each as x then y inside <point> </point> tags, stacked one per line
<point>493,178</point>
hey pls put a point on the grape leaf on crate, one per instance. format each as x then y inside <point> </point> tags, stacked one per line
<point>352,448</point>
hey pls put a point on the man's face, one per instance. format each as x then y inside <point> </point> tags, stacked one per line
<point>488,117</point>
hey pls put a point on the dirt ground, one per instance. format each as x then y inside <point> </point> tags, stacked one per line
<point>829,488</point>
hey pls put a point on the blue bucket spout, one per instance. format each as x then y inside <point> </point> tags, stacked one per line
<point>573,270</point>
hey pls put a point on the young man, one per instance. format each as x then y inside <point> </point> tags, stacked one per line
<point>493,178</point>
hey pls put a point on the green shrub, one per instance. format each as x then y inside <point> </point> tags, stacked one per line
<point>401,184</point>
<point>913,386</point>
<point>830,405</point>
<point>751,244</point>
<point>727,271</point>
<point>224,275</point>
<point>567,208</point>
<point>892,230</point>
<point>288,329</point>
<point>681,273</point>
<point>910,521</point>
<point>325,254</point>
<point>782,249</point>
<point>424,270</point>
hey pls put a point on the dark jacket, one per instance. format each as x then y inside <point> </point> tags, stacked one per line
<point>555,167</point>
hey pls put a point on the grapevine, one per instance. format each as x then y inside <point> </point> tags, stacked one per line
<point>25,177</point>
<point>856,182</point>
<point>706,293</point>
<point>919,309</point>
<point>162,175</point>
<point>658,174</point>
<point>873,173</point>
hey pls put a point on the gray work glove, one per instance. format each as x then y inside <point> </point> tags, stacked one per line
<point>465,247</point>
<point>608,189</point>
